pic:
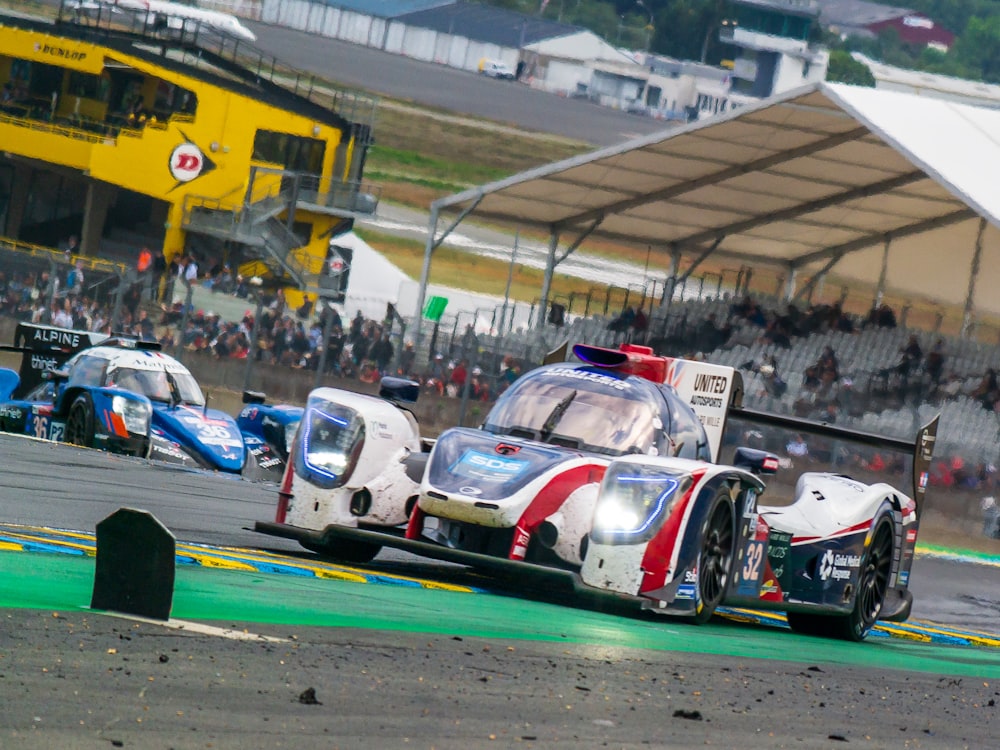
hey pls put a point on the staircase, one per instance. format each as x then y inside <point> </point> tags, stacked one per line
<point>254,222</point>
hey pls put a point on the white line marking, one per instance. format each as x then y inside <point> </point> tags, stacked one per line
<point>196,627</point>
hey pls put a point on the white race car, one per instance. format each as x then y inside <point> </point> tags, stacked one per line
<point>608,469</point>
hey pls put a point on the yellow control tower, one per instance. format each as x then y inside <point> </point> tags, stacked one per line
<point>119,128</point>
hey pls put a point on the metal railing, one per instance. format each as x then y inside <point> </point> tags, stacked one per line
<point>326,192</point>
<point>90,263</point>
<point>255,66</point>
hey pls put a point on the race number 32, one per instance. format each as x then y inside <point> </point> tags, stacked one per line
<point>751,566</point>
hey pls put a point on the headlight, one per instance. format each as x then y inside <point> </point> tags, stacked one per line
<point>330,441</point>
<point>135,414</point>
<point>633,501</point>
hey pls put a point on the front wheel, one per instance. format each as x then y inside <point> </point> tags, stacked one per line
<point>80,424</point>
<point>715,561</point>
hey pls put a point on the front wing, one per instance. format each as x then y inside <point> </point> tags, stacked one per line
<point>552,583</point>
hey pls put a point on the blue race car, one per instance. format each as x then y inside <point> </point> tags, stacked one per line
<point>116,394</point>
<point>82,409</point>
<point>268,431</point>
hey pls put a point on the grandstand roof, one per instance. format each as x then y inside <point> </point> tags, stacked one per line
<point>821,178</point>
<point>486,23</point>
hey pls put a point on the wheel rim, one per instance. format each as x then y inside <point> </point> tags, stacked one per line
<point>716,552</point>
<point>875,577</point>
<point>74,427</point>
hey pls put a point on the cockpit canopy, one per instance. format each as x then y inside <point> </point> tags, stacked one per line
<point>595,410</point>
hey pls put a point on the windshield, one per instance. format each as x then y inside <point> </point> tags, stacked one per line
<point>157,385</point>
<point>580,408</point>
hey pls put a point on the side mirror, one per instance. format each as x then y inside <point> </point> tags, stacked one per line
<point>755,461</point>
<point>399,390</point>
<point>254,397</point>
<point>59,373</point>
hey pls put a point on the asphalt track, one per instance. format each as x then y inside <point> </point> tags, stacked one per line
<point>456,91</point>
<point>394,658</point>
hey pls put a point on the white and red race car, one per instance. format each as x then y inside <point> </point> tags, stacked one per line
<point>604,472</point>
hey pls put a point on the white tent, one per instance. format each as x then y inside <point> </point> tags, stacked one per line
<point>889,188</point>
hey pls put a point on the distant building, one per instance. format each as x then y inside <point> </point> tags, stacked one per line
<point>858,18</point>
<point>773,53</point>
<point>769,40</point>
<point>891,78</point>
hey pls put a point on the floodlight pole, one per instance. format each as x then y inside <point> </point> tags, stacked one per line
<point>425,274</point>
<point>510,278</point>
<point>880,291</point>
<point>254,335</point>
<point>973,274</point>
<point>550,264</point>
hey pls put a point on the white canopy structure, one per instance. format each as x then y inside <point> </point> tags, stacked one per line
<point>896,190</point>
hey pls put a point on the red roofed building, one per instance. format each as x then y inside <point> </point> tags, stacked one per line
<point>859,18</point>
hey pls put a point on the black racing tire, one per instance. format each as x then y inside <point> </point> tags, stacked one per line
<point>350,552</point>
<point>80,423</point>
<point>715,559</point>
<point>873,586</point>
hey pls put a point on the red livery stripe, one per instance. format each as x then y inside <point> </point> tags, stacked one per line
<point>660,550</point>
<point>549,499</point>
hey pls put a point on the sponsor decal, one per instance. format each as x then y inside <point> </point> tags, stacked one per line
<point>922,482</point>
<point>690,576</point>
<point>472,491</point>
<point>708,390</point>
<point>488,467</point>
<point>62,338</point>
<point>592,377</point>
<point>169,450</point>
<point>685,591</point>
<point>11,412</point>
<point>710,401</point>
<point>903,579</point>
<point>710,383</point>
<point>836,566</point>
<point>61,52</point>
<point>379,430</point>
<point>250,412</point>
<point>769,586</point>
<point>42,363</point>
<point>927,446</point>
<point>187,162</point>
<point>911,536</point>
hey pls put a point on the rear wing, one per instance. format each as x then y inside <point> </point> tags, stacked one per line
<point>45,348</point>
<point>921,448</point>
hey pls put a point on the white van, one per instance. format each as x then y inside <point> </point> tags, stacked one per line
<point>496,69</point>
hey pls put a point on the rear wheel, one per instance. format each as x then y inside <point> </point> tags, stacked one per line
<point>80,424</point>
<point>352,552</point>
<point>715,560</point>
<point>873,585</point>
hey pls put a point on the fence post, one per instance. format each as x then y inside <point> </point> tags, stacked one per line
<point>179,344</point>
<point>254,337</point>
